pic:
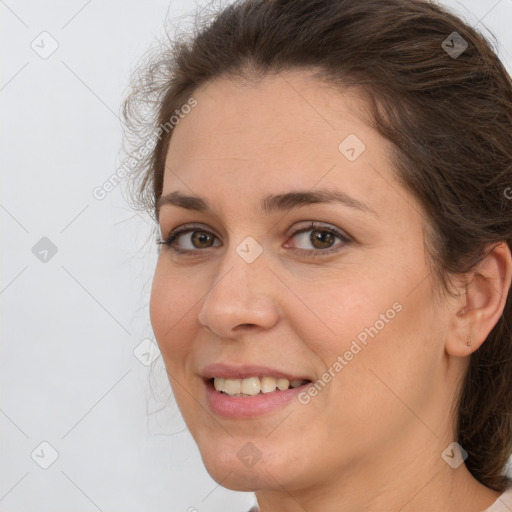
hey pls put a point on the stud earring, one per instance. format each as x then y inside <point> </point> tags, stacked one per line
<point>469,341</point>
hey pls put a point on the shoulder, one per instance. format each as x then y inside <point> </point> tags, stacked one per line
<point>502,504</point>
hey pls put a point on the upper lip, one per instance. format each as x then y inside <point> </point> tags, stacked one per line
<point>233,371</point>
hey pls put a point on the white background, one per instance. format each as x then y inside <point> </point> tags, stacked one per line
<point>70,325</point>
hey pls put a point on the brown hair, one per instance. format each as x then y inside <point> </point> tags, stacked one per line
<point>449,118</point>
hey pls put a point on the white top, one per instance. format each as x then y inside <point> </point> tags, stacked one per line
<point>503,503</point>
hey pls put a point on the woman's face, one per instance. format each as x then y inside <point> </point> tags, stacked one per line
<point>347,304</point>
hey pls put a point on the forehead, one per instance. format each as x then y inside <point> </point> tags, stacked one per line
<point>259,137</point>
<point>290,109</point>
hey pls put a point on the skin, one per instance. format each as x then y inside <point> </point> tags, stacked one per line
<point>372,438</point>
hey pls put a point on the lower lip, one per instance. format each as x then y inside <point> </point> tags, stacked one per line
<point>249,407</point>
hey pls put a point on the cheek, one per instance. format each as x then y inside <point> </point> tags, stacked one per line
<point>382,303</point>
<point>340,312</point>
<point>171,311</point>
<point>379,357</point>
<point>170,307</point>
<point>367,322</point>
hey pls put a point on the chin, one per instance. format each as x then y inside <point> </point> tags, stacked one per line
<point>250,482</point>
<point>233,468</point>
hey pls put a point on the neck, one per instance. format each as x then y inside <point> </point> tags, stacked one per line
<point>419,480</point>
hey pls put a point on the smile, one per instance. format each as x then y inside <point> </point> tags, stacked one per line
<point>254,385</point>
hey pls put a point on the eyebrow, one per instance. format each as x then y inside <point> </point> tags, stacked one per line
<point>270,203</point>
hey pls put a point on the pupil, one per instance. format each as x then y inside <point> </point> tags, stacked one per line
<point>320,236</point>
<point>200,237</point>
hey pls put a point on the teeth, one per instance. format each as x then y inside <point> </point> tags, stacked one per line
<point>283,384</point>
<point>232,386</point>
<point>250,386</point>
<point>268,384</point>
<point>219,383</point>
<point>254,385</point>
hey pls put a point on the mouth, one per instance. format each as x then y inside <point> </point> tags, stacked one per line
<point>253,386</point>
<point>246,391</point>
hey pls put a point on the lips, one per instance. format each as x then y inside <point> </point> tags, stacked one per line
<point>254,385</point>
<point>228,379</point>
<point>222,370</point>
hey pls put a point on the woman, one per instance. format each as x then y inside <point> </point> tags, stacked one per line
<point>332,184</point>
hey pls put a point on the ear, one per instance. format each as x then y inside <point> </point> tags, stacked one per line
<point>482,301</point>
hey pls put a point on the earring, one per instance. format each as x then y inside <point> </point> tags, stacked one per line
<point>469,341</point>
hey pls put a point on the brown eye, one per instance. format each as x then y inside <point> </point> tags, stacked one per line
<point>319,238</point>
<point>201,239</point>
<point>322,239</point>
<point>189,241</point>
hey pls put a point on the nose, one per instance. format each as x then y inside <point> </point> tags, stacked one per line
<point>241,299</point>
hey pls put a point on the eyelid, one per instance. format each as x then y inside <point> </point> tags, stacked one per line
<point>321,226</point>
<point>312,224</point>
<point>180,230</point>
<point>344,238</point>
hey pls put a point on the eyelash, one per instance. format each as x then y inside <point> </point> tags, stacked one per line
<point>171,238</point>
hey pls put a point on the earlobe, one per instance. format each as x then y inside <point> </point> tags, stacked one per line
<point>486,290</point>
